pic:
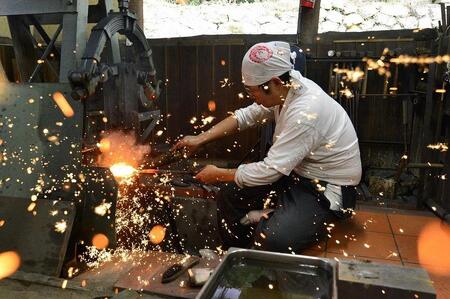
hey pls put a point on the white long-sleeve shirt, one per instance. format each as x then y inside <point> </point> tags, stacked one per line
<point>314,137</point>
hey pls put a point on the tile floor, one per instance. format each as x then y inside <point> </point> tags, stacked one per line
<point>383,236</point>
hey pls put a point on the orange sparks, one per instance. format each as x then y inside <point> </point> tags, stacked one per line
<point>31,207</point>
<point>212,106</point>
<point>350,75</point>
<point>62,103</point>
<point>60,226</point>
<point>157,234</point>
<point>149,171</point>
<point>123,149</point>
<point>100,241</point>
<point>122,170</point>
<point>9,263</point>
<point>443,147</point>
<point>104,145</point>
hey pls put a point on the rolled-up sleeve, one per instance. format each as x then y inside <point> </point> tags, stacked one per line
<point>252,115</point>
<point>297,140</point>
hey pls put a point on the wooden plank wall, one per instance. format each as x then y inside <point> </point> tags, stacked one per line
<point>196,67</point>
<point>379,125</point>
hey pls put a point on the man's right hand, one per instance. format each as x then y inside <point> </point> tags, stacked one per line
<point>190,143</point>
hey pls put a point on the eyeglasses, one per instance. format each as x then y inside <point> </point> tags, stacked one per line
<point>250,92</point>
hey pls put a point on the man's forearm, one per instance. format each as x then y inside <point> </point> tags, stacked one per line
<point>228,126</point>
<point>227,174</point>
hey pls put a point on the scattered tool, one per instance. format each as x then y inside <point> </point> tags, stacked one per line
<point>176,270</point>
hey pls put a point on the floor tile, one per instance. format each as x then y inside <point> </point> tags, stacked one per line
<point>409,225</point>
<point>372,221</point>
<point>407,246</point>
<point>363,244</point>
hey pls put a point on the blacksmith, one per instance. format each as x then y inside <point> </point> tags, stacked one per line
<point>309,175</point>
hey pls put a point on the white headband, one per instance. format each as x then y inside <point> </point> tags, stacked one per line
<point>264,61</point>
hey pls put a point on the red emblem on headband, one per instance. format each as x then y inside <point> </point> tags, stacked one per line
<point>260,54</point>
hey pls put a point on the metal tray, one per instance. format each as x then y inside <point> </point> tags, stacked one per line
<point>246,273</point>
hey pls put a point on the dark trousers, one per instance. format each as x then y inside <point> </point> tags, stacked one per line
<point>297,221</point>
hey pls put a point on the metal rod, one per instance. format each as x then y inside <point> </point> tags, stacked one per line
<point>448,15</point>
<point>443,17</point>
<point>299,22</point>
<point>327,59</point>
<point>330,79</point>
<point>388,95</point>
<point>89,149</point>
<point>440,113</point>
<point>42,33</point>
<point>344,41</point>
<point>365,79</point>
<point>46,52</point>
<point>385,86</point>
<point>400,143</point>
<point>425,165</point>
<point>36,44</point>
<point>336,85</point>
<point>163,171</point>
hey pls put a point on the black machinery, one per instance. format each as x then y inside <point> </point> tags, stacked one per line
<point>45,168</point>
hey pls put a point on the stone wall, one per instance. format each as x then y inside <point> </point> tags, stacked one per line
<point>163,18</point>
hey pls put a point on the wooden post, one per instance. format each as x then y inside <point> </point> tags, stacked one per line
<point>308,24</point>
<point>3,77</point>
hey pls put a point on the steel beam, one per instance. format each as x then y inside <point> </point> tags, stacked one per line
<point>74,39</point>
<point>31,7</point>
